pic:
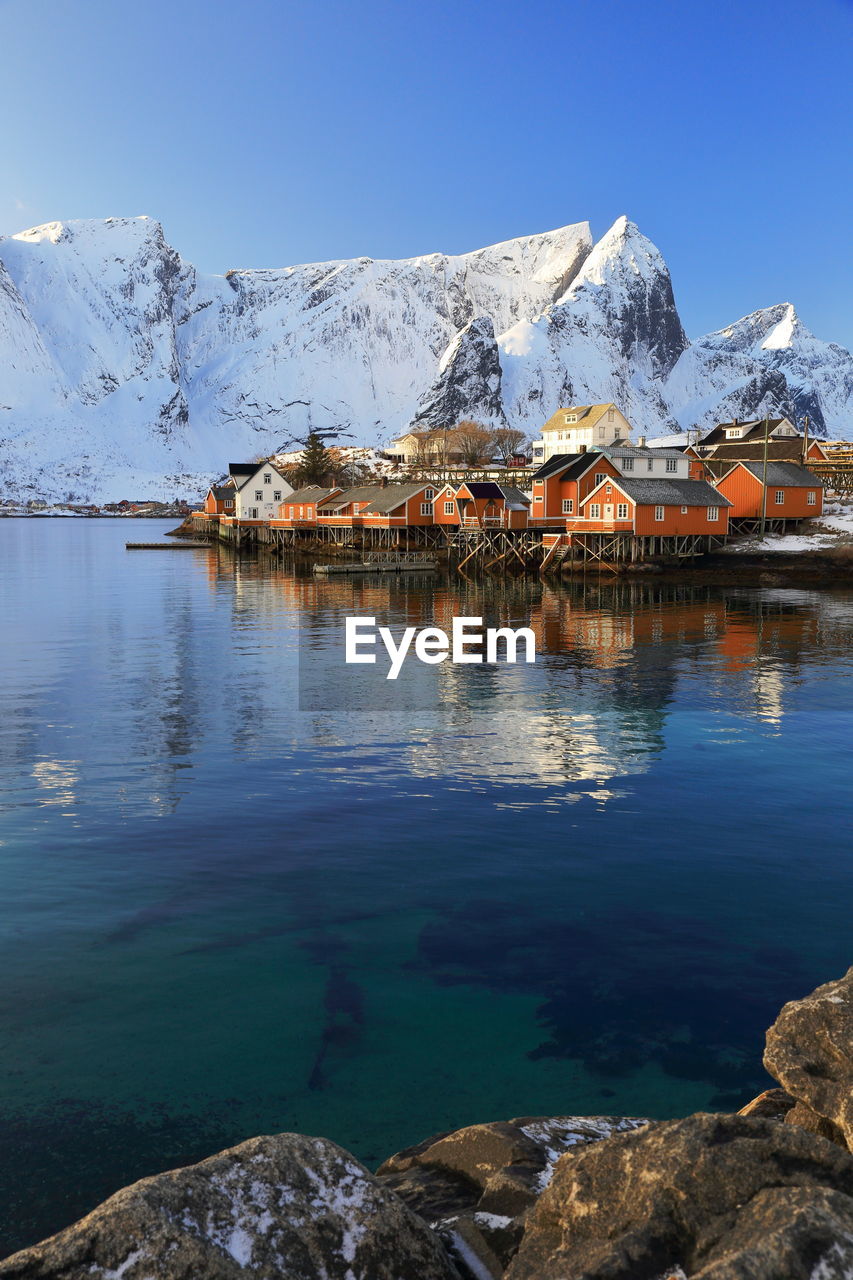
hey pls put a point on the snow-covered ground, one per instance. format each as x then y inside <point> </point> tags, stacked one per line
<point>834,528</point>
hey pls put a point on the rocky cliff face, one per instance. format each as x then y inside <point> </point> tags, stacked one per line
<point>125,372</point>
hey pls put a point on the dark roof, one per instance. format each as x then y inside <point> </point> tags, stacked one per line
<point>639,451</point>
<point>786,449</point>
<point>669,493</point>
<point>755,428</point>
<point>222,491</point>
<point>242,469</point>
<point>482,488</point>
<point>785,475</point>
<point>561,462</point>
<point>394,495</point>
<point>311,493</point>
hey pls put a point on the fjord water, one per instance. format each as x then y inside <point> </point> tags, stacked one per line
<point>239,895</point>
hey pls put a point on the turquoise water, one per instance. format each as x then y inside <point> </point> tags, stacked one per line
<point>586,885</point>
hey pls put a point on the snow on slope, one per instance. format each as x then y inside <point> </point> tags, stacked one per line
<point>125,372</point>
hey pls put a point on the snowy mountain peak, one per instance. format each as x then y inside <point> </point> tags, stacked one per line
<point>621,251</point>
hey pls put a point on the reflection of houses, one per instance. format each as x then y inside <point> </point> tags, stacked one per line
<point>589,426</point>
<point>781,492</point>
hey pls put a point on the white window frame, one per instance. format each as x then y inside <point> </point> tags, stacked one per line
<point>811,498</point>
<point>267,477</point>
<point>621,510</point>
<point>779,500</point>
<point>426,508</point>
<point>660,513</point>
<point>568,506</point>
<point>627,464</point>
<point>259,495</point>
<point>599,477</point>
<point>595,511</point>
<point>450,508</point>
<point>650,464</point>
<point>300,513</point>
<point>713,513</point>
<point>672,465</point>
<point>684,511</point>
<point>276,495</point>
<point>429,494</point>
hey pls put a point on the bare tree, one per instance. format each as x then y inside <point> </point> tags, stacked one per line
<point>507,442</point>
<point>471,441</point>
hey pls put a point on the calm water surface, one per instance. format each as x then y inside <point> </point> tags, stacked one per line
<point>585,886</point>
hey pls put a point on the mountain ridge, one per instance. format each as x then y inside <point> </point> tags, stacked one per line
<point>124,370</point>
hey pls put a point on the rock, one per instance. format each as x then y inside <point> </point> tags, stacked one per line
<point>468,1246</point>
<point>810,1052</point>
<point>274,1208</point>
<point>805,1118</point>
<point>488,1176</point>
<point>772,1104</point>
<point>712,1197</point>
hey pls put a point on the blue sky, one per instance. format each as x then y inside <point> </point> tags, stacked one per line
<point>264,134</point>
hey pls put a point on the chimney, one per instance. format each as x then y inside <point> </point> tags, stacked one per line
<point>641,442</point>
<point>383,483</point>
<point>581,448</point>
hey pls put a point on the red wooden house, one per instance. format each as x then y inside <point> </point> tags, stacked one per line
<point>791,492</point>
<point>219,500</point>
<point>299,509</point>
<point>399,506</point>
<point>563,481</point>
<point>484,504</point>
<point>653,508</point>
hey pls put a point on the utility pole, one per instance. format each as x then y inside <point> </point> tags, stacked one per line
<point>764,475</point>
<point>805,439</point>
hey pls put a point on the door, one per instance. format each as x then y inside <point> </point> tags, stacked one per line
<point>608,511</point>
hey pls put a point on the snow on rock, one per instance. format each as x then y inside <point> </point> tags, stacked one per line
<point>287,1206</point>
<point>124,372</point>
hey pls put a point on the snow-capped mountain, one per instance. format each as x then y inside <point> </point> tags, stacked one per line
<point>125,372</point>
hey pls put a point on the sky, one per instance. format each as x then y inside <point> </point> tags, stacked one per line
<point>265,134</point>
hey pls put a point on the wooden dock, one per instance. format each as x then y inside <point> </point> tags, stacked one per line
<point>377,566</point>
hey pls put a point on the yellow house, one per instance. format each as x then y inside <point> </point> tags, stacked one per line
<point>584,426</point>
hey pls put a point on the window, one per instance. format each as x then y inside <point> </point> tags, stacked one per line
<point>594,511</point>
<point>537,497</point>
<point>780,497</point>
<point>684,511</point>
<point>811,498</point>
<point>429,493</point>
<point>571,417</point>
<point>659,513</point>
<point>601,433</point>
<point>229,502</point>
<point>568,506</point>
<point>259,495</point>
<point>611,414</point>
<point>276,495</point>
<point>599,476</point>
<point>672,464</point>
<point>300,513</point>
<point>608,489</point>
<point>426,508</point>
<point>627,464</point>
<point>713,513</point>
<point>622,511</point>
<point>449,508</point>
<point>650,464</point>
<point>267,477</point>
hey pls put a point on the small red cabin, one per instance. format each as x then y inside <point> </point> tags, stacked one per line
<point>560,484</point>
<point>791,492</point>
<point>219,500</point>
<point>653,508</point>
<point>484,504</point>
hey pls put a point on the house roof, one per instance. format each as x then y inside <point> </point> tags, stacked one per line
<point>562,462</point>
<point>515,499</point>
<point>666,493</point>
<point>482,488</point>
<point>587,416</point>
<point>222,491</point>
<point>311,493</point>
<point>360,493</point>
<point>753,428</point>
<point>786,449</point>
<point>240,471</point>
<point>393,496</point>
<point>783,475</point>
<point>638,451</point>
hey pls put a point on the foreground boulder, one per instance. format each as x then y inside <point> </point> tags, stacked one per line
<point>709,1198</point>
<point>810,1052</point>
<point>274,1208</point>
<point>476,1185</point>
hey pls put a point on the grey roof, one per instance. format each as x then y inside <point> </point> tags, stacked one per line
<point>311,493</point>
<point>785,475</point>
<point>222,491</point>
<point>638,451</point>
<point>360,493</point>
<point>753,428</point>
<point>669,493</point>
<point>515,499</point>
<point>394,495</point>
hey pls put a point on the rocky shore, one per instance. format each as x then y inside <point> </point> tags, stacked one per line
<point>766,1194</point>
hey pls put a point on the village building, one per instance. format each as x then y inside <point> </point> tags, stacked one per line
<point>400,506</point>
<point>344,507</point>
<point>787,493</point>
<point>751,430</point>
<point>299,508</point>
<point>560,485</point>
<point>590,426</point>
<point>653,508</point>
<point>487,505</point>
<point>259,489</point>
<point>425,447</point>
<point>219,500</point>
